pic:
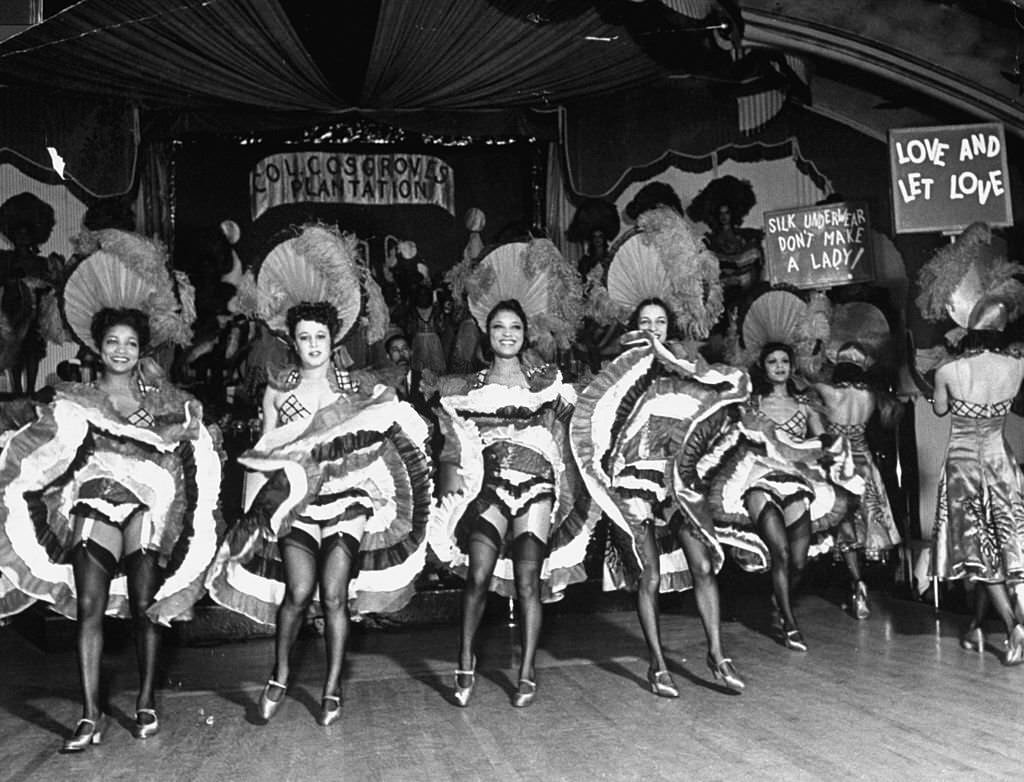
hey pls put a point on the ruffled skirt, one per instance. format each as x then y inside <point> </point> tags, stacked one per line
<point>355,459</point>
<point>632,425</point>
<point>539,467</point>
<point>77,460</point>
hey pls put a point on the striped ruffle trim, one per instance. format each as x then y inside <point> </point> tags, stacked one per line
<point>574,514</point>
<point>377,459</point>
<point>40,470</point>
<point>616,416</point>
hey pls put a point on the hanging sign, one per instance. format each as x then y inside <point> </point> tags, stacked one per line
<point>819,246</point>
<point>350,178</point>
<point>945,178</point>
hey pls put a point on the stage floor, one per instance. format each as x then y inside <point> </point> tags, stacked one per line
<point>893,697</point>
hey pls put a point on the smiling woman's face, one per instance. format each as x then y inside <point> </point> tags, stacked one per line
<point>653,318</point>
<point>119,350</point>
<point>506,334</point>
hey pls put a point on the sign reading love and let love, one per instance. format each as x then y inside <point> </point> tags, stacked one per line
<point>945,178</point>
<point>349,178</point>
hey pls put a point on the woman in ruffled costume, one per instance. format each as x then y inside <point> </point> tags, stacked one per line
<point>109,502</point>
<point>773,470</point>
<point>979,526</point>
<point>513,516</point>
<point>850,401</point>
<point>638,414</point>
<point>340,488</point>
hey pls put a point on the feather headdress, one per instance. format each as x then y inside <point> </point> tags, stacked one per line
<point>536,275</point>
<point>663,258</point>
<point>782,316</point>
<point>962,274</point>
<point>863,323</point>
<point>127,270</point>
<point>317,265</point>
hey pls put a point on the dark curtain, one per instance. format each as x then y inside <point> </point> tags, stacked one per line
<point>183,52</point>
<point>425,55</point>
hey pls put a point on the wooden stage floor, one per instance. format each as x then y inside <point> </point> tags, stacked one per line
<point>890,698</point>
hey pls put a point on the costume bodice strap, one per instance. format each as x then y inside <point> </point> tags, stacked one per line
<point>795,425</point>
<point>966,409</point>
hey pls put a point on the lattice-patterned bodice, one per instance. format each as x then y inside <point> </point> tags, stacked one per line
<point>855,433</point>
<point>965,409</point>
<point>292,410</point>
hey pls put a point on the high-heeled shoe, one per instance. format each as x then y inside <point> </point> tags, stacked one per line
<point>330,710</point>
<point>525,694</point>
<point>725,672</point>
<point>269,706</point>
<point>859,606</point>
<point>463,694</point>
<point>794,640</point>
<point>86,732</point>
<point>1015,646</point>
<point>147,724</point>
<point>973,639</point>
<point>662,684</point>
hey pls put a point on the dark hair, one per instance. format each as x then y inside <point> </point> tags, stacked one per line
<point>736,193</point>
<point>848,372</point>
<point>758,376</point>
<point>507,305</point>
<point>392,338</point>
<point>634,319</point>
<point>108,317</point>
<point>318,312</point>
<point>983,339</point>
<point>652,195</point>
<point>424,296</point>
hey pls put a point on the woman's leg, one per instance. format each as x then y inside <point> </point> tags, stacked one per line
<point>705,591</point>
<point>529,554</point>
<point>300,581</point>
<point>851,555</point>
<point>1000,601</point>
<point>143,582</point>
<point>647,608</point>
<point>797,518</point>
<point>772,529</point>
<point>335,573</point>
<point>92,586</point>
<point>483,556</point>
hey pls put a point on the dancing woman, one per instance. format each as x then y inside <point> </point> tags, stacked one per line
<point>772,470</point>
<point>979,526</point>
<point>340,491</point>
<point>513,517</point>
<point>509,429</point>
<point>124,475</point>
<point>630,423</point>
<point>850,401</point>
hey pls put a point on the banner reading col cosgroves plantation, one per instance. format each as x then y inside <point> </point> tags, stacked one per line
<point>348,178</point>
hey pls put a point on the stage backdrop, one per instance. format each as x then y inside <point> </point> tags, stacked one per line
<point>418,192</point>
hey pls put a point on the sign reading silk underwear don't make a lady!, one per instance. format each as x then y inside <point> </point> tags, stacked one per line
<point>350,178</point>
<point>819,246</point>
